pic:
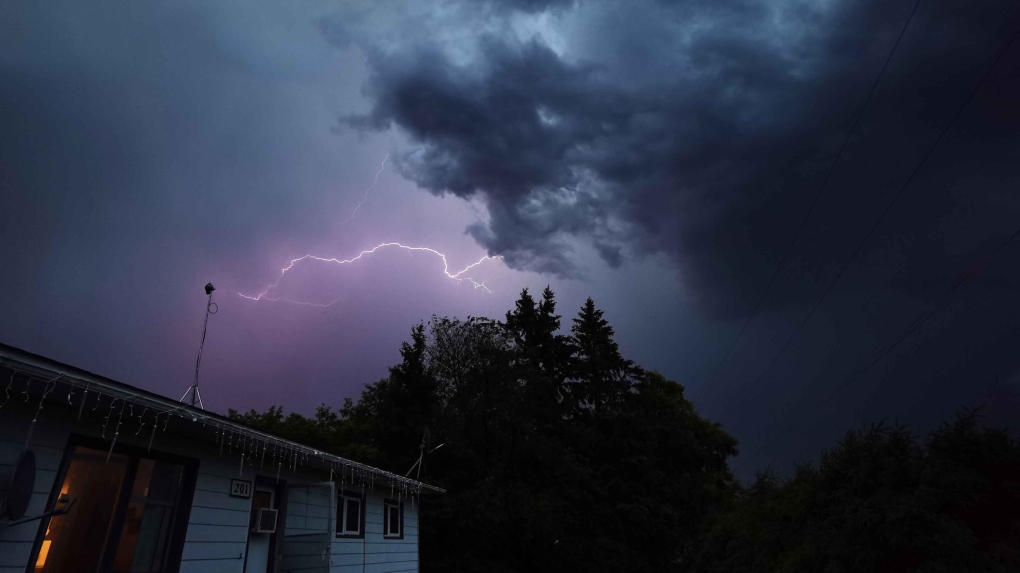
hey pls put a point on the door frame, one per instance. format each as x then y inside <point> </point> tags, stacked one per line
<point>330,519</point>
<point>277,487</point>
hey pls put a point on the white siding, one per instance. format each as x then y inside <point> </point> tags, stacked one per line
<point>217,533</point>
<point>307,530</point>
<point>48,443</point>
<point>374,553</point>
<point>218,526</point>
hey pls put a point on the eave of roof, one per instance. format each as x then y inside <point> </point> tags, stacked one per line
<point>32,364</point>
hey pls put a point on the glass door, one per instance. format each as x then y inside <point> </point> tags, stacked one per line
<point>308,528</point>
<point>76,541</point>
<point>123,517</point>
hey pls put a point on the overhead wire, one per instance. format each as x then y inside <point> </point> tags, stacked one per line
<point>860,247</point>
<point>910,329</point>
<point>814,202</point>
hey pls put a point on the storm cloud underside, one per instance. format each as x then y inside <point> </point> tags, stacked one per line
<point>697,129</point>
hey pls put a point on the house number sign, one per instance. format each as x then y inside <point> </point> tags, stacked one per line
<point>240,488</point>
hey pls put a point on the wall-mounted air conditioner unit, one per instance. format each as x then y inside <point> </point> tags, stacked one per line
<point>265,520</point>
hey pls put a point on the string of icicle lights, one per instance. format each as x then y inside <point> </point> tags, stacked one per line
<point>136,414</point>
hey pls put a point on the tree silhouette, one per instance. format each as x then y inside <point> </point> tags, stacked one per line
<point>559,454</point>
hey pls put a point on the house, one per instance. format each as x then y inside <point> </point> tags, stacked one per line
<point>97,475</point>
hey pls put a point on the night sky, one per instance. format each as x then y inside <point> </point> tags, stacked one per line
<point>661,157</point>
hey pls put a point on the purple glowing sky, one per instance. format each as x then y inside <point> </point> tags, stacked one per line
<point>655,157</point>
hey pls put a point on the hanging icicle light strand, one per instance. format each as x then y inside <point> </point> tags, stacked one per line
<point>120,400</point>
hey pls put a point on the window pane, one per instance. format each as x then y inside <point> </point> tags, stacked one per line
<point>166,482</point>
<point>75,541</point>
<point>147,522</point>
<point>394,512</point>
<point>353,524</point>
<point>341,506</point>
<point>146,529</point>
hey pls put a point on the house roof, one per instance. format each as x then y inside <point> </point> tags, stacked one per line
<point>54,373</point>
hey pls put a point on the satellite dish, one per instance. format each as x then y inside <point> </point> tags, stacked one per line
<point>16,487</point>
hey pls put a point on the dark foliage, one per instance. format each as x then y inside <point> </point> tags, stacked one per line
<point>559,454</point>
<point>879,501</point>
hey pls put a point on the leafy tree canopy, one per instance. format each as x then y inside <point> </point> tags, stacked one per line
<point>559,454</point>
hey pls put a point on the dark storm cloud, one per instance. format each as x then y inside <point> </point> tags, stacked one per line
<point>699,129</point>
<point>532,6</point>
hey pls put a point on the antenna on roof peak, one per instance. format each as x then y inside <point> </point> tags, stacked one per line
<point>210,308</point>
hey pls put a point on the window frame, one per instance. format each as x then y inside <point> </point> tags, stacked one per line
<point>182,511</point>
<point>341,514</point>
<point>399,505</point>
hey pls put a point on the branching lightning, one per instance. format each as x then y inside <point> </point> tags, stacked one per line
<point>370,187</point>
<point>457,276</point>
<point>292,301</point>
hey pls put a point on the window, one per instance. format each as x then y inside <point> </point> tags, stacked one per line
<point>393,519</point>
<point>126,513</point>
<point>350,514</point>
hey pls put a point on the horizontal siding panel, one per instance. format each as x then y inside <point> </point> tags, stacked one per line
<point>15,553</point>
<point>221,500</point>
<point>303,562</point>
<point>25,531</point>
<point>228,533</point>
<point>221,467</point>
<point>388,568</point>
<point>43,478</point>
<point>304,545</point>
<point>234,565</point>
<point>218,516</point>
<point>401,557</point>
<point>212,482</point>
<point>392,567</point>
<point>213,550</point>
<point>310,528</point>
<point>44,481</point>
<point>347,541</point>
<point>301,510</point>
<point>347,558</point>
<point>46,434</point>
<point>372,547</point>
<point>46,458</point>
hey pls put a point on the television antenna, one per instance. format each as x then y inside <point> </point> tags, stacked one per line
<point>426,441</point>
<point>210,308</point>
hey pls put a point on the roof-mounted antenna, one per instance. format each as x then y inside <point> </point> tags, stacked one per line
<point>210,308</point>
<point>426,441</point>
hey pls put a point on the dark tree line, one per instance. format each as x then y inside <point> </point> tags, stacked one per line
<point>559,454</point>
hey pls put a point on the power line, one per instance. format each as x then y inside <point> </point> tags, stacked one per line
<point>885,212</point>
<point>910,329</point>
<point>814,202</point>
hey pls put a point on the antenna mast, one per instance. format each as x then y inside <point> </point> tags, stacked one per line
<point>210,308</point>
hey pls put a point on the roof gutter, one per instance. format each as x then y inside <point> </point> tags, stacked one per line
<point>31,364</point>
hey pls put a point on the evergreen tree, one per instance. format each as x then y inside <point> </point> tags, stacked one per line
<point>602,377</point>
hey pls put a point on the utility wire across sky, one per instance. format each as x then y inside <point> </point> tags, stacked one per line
<point>921,319</point>
<point>811,208</point>
<point>888,208</point>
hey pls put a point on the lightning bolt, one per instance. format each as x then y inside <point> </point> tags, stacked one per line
<point>370,187</point>
<point>457,276</point>
<point>292,301</point>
